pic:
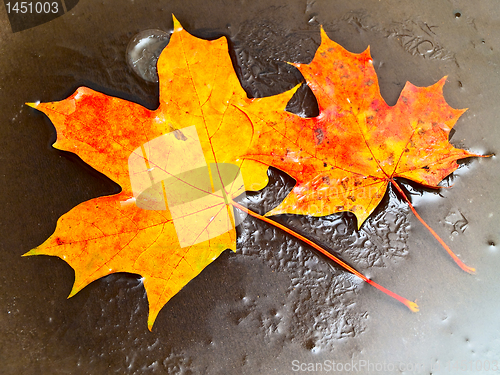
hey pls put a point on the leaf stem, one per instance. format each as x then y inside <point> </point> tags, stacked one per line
<point>411,305</point>
<point>461,264</point>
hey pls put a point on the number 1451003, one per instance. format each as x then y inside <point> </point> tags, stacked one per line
<point>32,7</point>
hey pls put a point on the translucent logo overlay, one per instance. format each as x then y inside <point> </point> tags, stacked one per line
<point>170,172</point>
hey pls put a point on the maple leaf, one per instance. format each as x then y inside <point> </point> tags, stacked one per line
<point>345,158</point>
<point>179,167</point>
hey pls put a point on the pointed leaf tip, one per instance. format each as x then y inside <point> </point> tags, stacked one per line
<point>294,89</point>
<point>177,24</point>
<point>152,318</point>
<point>367,55</point>
<point>441,82</point>
<point>324,36</point>
<point>33,105</point>
<point>73,292</point>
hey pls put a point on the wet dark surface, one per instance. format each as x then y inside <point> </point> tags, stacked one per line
<point>274,301</point>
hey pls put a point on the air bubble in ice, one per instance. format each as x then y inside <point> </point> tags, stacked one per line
<point>143,51</point>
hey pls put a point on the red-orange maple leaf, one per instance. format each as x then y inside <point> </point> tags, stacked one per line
<point>344,159</point>
<point>178,166</point>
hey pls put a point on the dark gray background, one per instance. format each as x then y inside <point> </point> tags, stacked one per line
<point>274,300</point>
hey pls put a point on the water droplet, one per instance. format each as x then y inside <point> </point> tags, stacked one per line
<point>143,51</point>
<point>313,20</point>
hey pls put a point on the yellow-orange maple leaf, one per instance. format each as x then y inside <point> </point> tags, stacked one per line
<point>344,159</point>
<point>165,232</point>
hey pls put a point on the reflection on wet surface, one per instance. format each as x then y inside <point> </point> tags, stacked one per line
<point>143,51</point>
